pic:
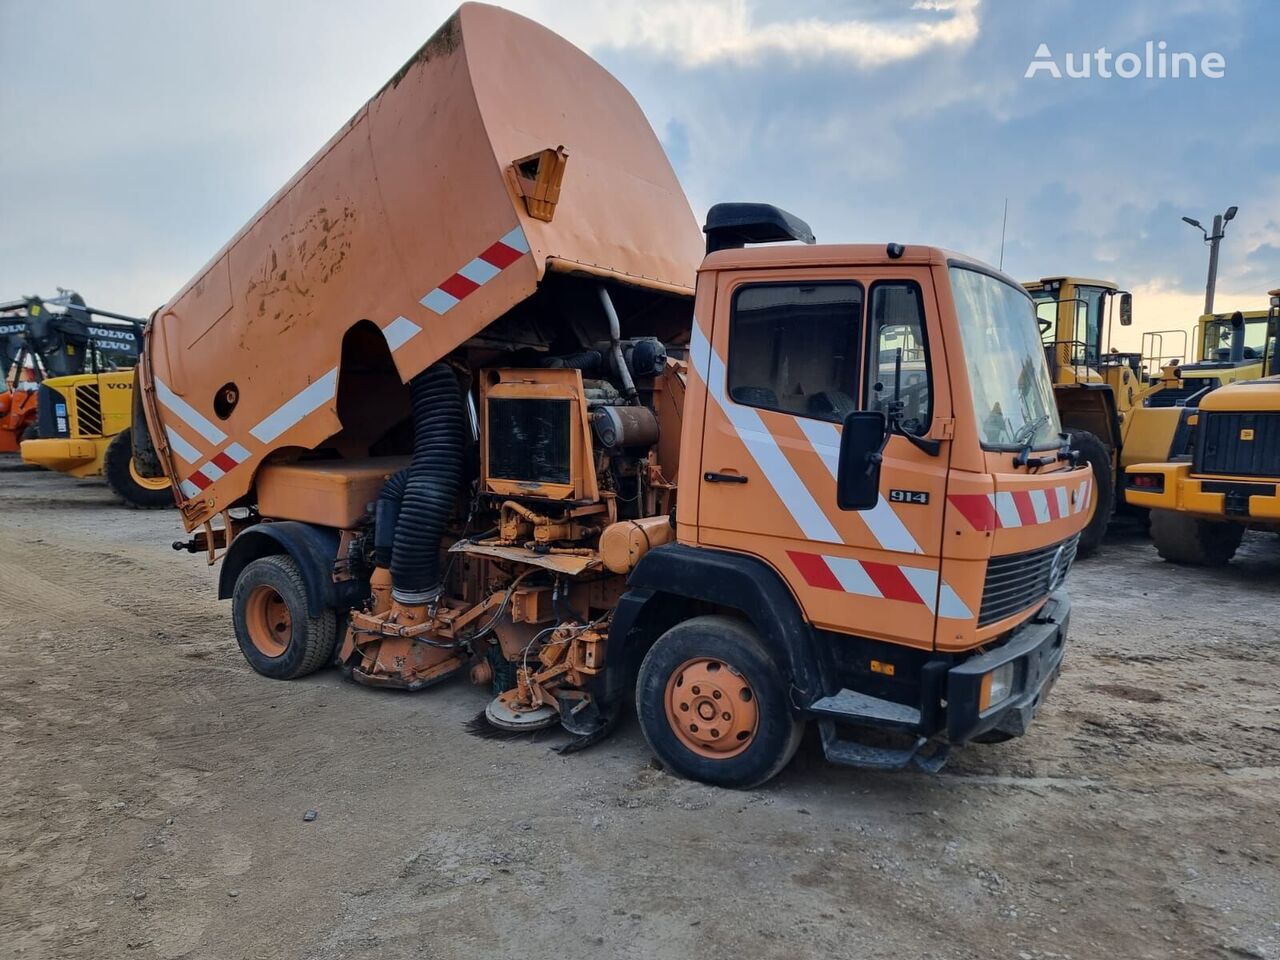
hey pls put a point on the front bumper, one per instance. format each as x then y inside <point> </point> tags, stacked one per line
<point>77,457</point>
<point>1036,649</point>
<point>1205,496</point>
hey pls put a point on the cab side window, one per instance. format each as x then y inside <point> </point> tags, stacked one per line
<point>898,354</point>
<point>794,348</point>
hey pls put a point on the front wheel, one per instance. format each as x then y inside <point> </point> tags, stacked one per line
<point>1098,455</point>
<point>1180,538</point>
<point>713,705</point>
<point>146,493</point>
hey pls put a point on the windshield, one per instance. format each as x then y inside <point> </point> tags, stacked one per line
<point>1008,375</point>
<point>1088,307</point>
<point>1217,339</point>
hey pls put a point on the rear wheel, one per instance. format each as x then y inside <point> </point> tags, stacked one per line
<point>1098,456</point>
<point>1180,538</point>
<point>713,704</point>
<point>122,475</point>
<point>276,634</point>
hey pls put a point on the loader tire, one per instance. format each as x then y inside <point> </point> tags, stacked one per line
<point>123,477</point>
<point>1098,455</point>
<point>274,630</point>
<point>713,705</point>
<point>1180,538</point>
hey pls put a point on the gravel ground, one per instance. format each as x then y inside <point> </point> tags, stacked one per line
<point>154,792</point>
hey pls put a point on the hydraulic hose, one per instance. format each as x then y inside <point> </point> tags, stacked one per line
<point>431,485</point>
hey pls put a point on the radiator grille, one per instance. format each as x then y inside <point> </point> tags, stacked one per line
<point>1018,580</point>
<point>51,413</point>
<point>1223,447</point>
<point>529,440</point>
<point>88,410</point>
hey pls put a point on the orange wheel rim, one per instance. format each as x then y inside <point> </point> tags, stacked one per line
<point>147,483</point>
<point>268,621</point>
<point>712,708</point>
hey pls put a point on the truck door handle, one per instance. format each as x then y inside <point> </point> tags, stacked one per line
<point>724,477</point>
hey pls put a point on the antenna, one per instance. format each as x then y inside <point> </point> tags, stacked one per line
<point>1004,222</point>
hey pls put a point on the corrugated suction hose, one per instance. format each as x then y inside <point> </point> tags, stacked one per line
<point>429,487</point>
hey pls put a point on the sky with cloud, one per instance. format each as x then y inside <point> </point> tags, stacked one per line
<point>139,136</point>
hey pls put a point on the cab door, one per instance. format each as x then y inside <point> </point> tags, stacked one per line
<point>786,360</point>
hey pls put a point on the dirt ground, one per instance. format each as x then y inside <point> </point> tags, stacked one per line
<point>153,790</point>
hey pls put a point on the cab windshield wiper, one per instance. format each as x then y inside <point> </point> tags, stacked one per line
<point>1026,437</point>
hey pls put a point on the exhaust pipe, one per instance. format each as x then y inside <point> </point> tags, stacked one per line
<point>1237,337</point>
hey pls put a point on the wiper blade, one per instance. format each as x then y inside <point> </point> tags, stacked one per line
<point>1027,437</point>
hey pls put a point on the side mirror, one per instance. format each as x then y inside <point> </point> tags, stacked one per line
<point>1126,309</point>
<point>861,445</point>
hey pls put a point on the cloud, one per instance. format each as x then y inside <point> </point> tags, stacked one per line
<point>698,33</point>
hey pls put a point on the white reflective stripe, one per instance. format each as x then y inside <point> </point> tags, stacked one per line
<point>852,576</point>
<point>1040,503</point>
<point>479,271</point>
<point>776,469</point>
<point>1061,494</point>
<point>439,301</point>
<point>237,453</point>
<point>189,488</point>
<point>398,332</point>
<point>187,414</point>
<point>883,521</point>
<point>516,240</point>
<point>1007,510</point>
<point>212,471</point>
<point>925,583</point>
<point>951,606</point>
<point>1082,498</point>
<point>291,411</point>
<point>180,446</point>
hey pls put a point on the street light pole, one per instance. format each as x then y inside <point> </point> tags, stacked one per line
<point>1220,222</point>
<point>1211,284</point>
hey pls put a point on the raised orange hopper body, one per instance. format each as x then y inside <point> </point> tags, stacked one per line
<point>415,218</point>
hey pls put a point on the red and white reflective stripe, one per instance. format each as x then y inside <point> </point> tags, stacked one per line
<point>882,520</point>
<point>763,448</point>
<point>214,469</point>
<point>305,402</point>
<point>179,445</point>
<point>187,413</point>
<point>1006,510</point>
<point>884,581</point>
<point>470,278</point>
<point>399,332</point>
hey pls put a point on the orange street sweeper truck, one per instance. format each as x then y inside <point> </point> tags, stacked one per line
<point>472,394</point>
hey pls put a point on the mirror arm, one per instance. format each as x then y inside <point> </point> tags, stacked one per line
<point>932,447</point>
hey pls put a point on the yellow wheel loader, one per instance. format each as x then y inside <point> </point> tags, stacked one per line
<point>1202,504</point>
<point>83,419</point>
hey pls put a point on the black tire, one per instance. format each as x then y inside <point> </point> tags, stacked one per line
<point>1098,455</point>
<point>32,432</point>
<point>778,730</point>
<point>307,641</point>
<point>116,467</point>
<point>1180,538</point>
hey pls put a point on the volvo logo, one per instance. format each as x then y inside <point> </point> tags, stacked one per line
<point>1059,567</point>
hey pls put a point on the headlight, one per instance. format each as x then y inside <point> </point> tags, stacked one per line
<point>997,686</point>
